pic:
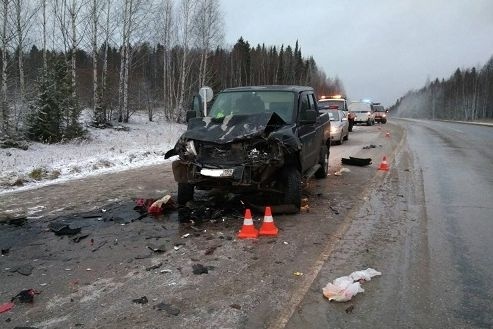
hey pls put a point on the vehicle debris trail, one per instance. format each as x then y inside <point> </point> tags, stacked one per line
<point>344,288</point>
<point>342,170</point>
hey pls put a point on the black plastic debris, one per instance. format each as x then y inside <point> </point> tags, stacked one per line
<point>63,229</point>
<point>199,269</point>
<point>154,267</point>
<point>5,251</point>
<point>25,269</point>
<point>142,300</point>
<point>25,296</point>
<point>371,146</point>
<point>356,161</point>
<point>235,306</point>
<point>334,210</point>
<point>159,249</point>
<point>170,309</point>
<point>99,245</point>
<point>17,221</point>
<point>79,237</point>
<point>211,250</point>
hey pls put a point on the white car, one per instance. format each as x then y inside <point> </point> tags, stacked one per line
<point>363,113</point>
<point>339,126</point>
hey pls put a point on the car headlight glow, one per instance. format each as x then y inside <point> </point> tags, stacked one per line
<point>190,147</point>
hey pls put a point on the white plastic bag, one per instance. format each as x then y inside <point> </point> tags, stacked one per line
<point>365,275</point>
<point>344,288</point>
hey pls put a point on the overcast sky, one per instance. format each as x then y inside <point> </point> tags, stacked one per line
<point>380,49</point>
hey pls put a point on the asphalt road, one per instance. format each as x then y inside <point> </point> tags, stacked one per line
<point>425,224</point>
<point>428,227</point>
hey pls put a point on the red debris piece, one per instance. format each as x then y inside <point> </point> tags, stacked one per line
<point>5,307</point>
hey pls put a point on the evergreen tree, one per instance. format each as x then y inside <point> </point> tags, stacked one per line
<point>55,113</point>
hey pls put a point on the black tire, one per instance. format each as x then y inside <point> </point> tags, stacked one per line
<point>339,142</point>
<point>185,193</point>
<point>346,138</point>
<point>384,121</point>
<point>292,187</point>
<point>322,172</point>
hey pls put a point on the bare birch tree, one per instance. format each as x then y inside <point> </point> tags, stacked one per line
<point>5,123</point>
<point>187,12</point>
<point>208,32</point>
<point>167,31</point>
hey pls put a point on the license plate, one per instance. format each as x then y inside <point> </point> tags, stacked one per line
<point>217,172</point>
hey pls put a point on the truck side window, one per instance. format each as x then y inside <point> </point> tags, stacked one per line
<point>304,106</point>
<point>312,102</point>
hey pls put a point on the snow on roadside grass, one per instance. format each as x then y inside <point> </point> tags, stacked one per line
<point>105,150</point>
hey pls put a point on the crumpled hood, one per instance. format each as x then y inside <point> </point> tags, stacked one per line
<point>232,127</point>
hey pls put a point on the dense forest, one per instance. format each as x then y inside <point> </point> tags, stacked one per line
<point>119,57</point>
<point>466,95</point>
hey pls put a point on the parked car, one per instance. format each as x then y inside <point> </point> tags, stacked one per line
<point>341,103</point>
<point>339,126</point>
<point>363,113</point>
<point>257,139</point>
<point>380,113</point>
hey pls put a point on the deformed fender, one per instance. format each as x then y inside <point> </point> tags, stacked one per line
<point>180,171</point>
<point>286,138</point>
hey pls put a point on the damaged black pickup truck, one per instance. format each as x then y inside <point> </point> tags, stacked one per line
<point>261,139</point>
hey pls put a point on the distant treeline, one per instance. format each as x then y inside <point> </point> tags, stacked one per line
<point>119,57</point>
<point>466,95</point>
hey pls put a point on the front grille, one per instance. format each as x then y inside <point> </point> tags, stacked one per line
<point>221,154</point>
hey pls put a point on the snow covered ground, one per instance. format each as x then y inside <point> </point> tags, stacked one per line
<point>104,150</point>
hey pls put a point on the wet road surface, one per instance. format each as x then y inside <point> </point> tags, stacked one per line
<point>427,226</point>
<point>248,284</point>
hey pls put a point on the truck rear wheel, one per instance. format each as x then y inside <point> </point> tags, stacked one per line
<point>292,186</point>
<point>185,193</point>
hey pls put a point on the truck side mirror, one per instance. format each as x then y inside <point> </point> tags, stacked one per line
<point>196,108</point>
<point>191,115</point>
<point>309,117</point>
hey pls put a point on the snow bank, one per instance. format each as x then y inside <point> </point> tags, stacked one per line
<point>104,150</point>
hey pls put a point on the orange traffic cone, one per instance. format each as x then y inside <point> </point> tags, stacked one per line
<point>384,165</point>
<point>248,231</point>
<point>268,227</point>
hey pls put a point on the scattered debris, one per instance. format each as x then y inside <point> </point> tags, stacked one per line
<point>344,288</point>
<point>159,249</point>
<point>186,235</point>
<point>154,267</point>
<point>80,237</point>
<point>25,296</point>
<point>340,171</point>
<point>63,229</point>
<point>350,309</point>
<point>210,250</point>
<point>235,306</point>
<point>170,309</point>
<point>199,269</point>
<point>356,161</point>
<point>158,206</point>
<point>5,251</point>
<point>334,210</point>
<point>142,300</point>
<point>102,243</point>
<point>5,307</point>
<point>298,273</point>
<point>371,146</point>
<point>25,269</point>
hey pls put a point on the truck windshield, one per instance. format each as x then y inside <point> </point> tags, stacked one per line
<point>250,102</point>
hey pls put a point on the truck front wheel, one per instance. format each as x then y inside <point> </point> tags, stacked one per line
<point>292,186</point>
<point>185,193</point>
<point>324,163</point>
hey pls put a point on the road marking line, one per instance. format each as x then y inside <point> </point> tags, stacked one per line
<point>299,293</point>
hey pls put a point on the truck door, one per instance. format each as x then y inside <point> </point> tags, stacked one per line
<point>308,133</point>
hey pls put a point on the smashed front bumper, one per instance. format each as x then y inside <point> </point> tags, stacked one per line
<point>243,164</point>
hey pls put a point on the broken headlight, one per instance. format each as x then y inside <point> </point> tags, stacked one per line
<point>190,148</point>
